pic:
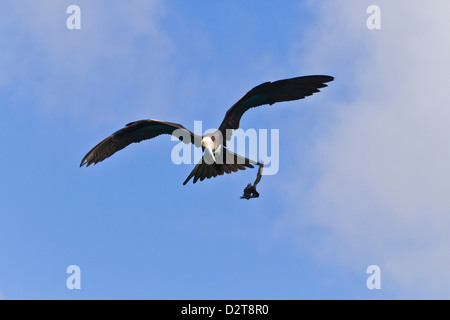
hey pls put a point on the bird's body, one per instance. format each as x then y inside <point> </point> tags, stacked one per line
<point>217,159</point>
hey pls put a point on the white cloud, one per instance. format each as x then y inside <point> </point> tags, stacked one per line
<point>381,195</point>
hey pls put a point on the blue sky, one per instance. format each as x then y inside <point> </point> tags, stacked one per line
<point>363,182</point>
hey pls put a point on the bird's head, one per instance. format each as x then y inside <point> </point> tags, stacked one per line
<point>208,142</point>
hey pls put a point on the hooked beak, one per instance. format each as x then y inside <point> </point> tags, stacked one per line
<point>210,152</point>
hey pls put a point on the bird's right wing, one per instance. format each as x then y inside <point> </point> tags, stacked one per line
<point>136,132</point>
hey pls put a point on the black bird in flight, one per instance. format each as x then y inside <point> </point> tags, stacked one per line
<point>217,159</point>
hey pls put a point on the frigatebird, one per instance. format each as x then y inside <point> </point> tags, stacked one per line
<point>217,159</point>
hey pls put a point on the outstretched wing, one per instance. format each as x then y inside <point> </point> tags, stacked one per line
<point>136,132</point>
<point>270,93</point>
<point>226,162</point>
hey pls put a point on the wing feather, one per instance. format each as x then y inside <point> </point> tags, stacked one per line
<point>136,132</point>
<point>270,93</point>
<point>230,164</point>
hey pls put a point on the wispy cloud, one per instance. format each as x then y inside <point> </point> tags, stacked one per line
<point>120,57</point>
<point>380,193</point>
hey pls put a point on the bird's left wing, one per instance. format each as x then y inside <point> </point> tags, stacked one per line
<point>270,93</point>
<point>136,132</point>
